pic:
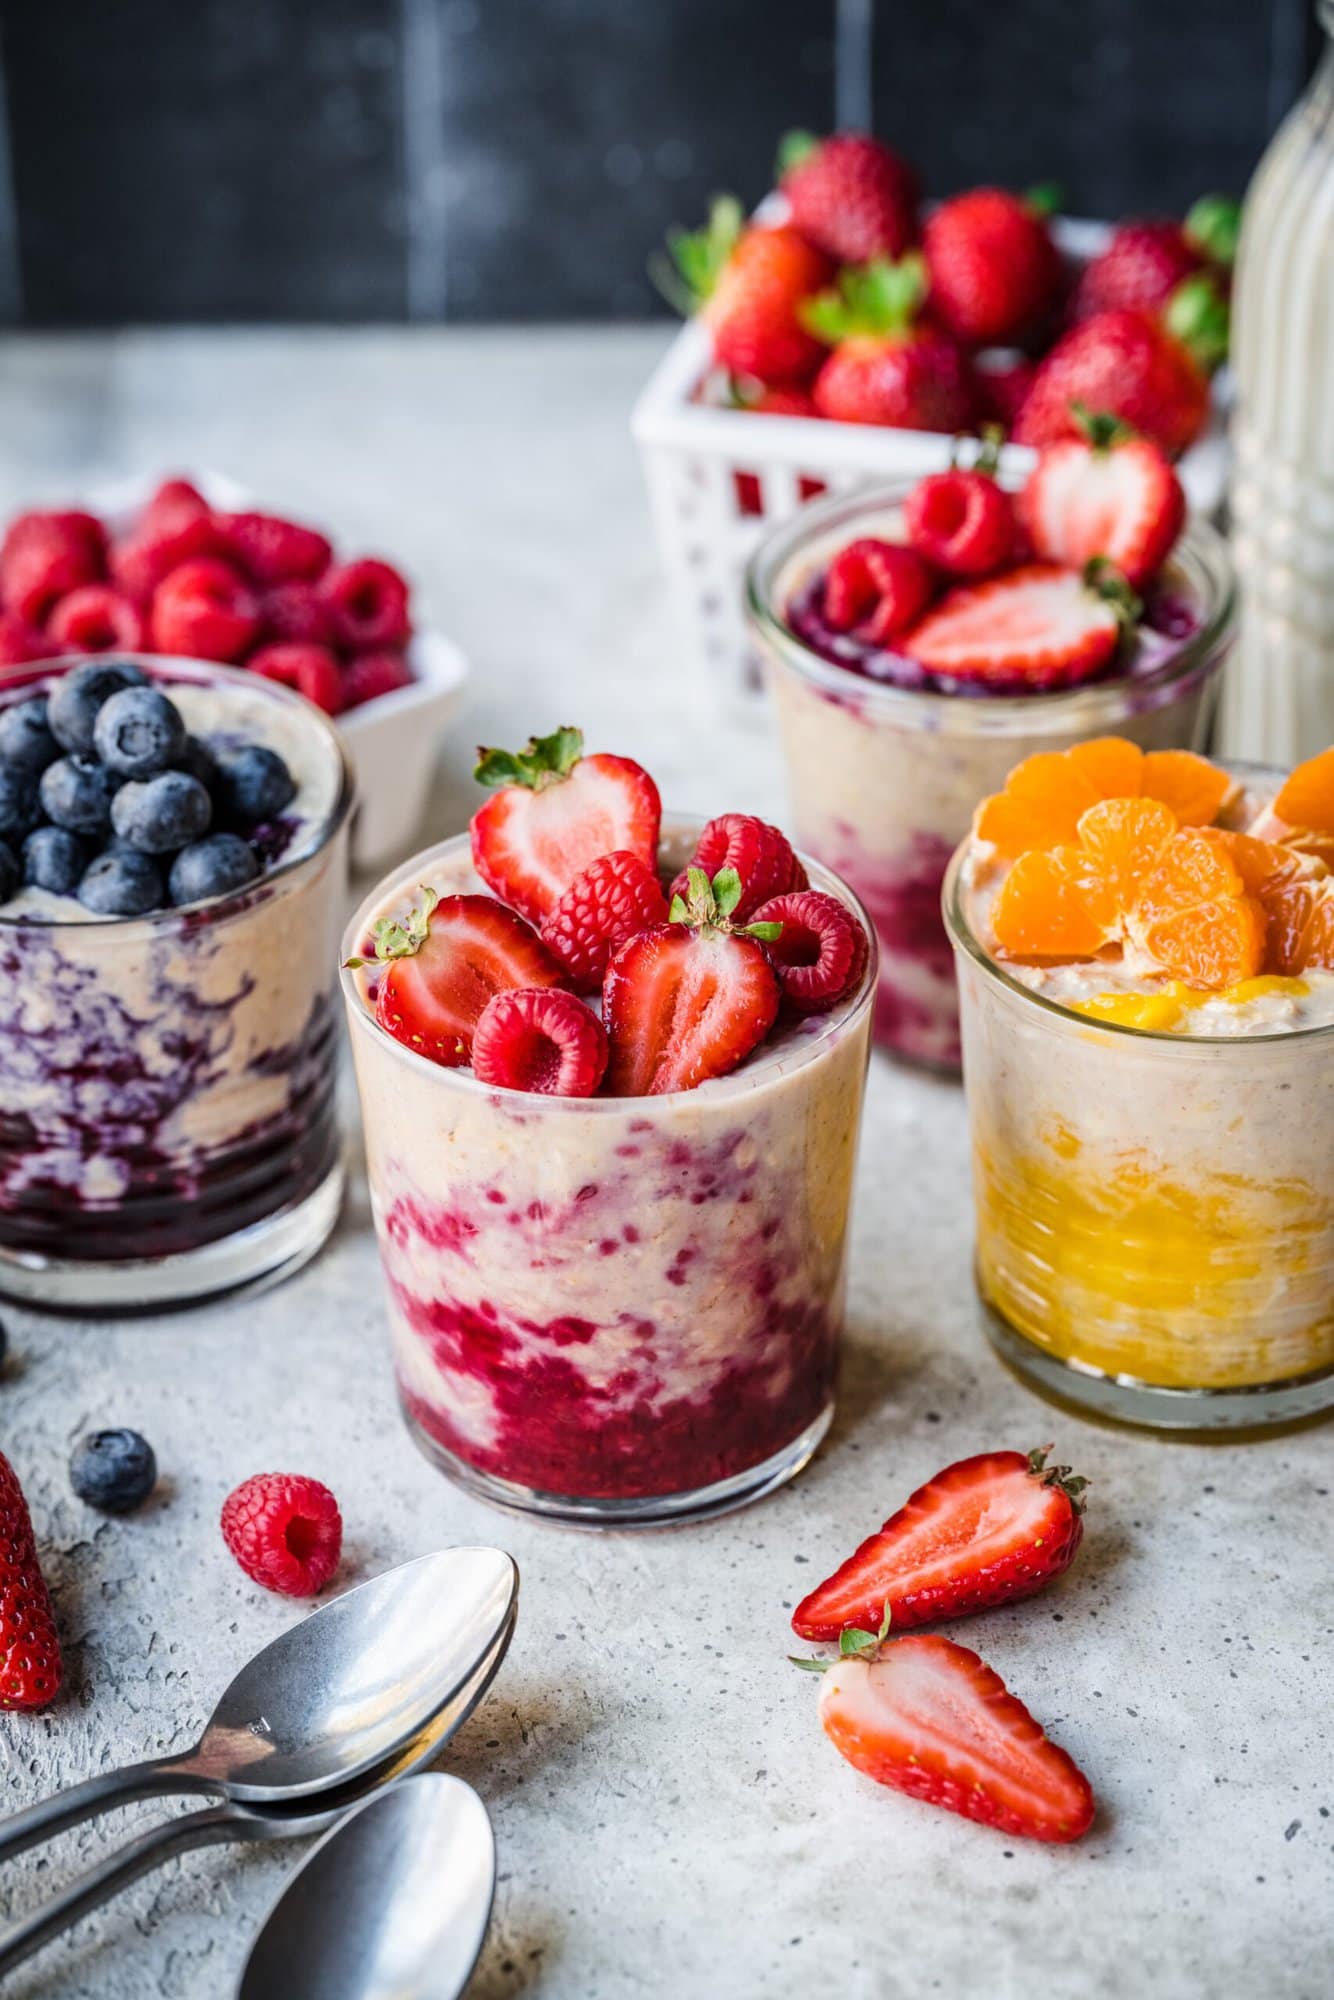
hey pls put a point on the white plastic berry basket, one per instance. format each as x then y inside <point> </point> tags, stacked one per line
<point>719,479</point>
<point>393,741</point>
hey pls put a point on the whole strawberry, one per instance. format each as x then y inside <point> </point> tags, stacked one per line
<point>30,1665</point>
<point>749,283</point>
<point>1145,261</point>
<point>1124,363</point>
<point>849,195</point>
<point>993,266</point>
<point>888,365</point>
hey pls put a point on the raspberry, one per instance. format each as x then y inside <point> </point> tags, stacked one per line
<point>175,500</point>
<point>285,1531</point>
<point>45,555</point>
<point>962,522</point>
<point>160,544</point>
<point>821,952</point>
<point>761,855</point>
<point>369,601</point>
<point>271,550</point>
<point>367,675</point>
<point>538,1038</point>
<point>20,641</point>
<point>613,899</point>
<point>296,614</point>
<point>204,611</point>
<point>877,588</point>
<point>96,619</point>
<point>311,670</point>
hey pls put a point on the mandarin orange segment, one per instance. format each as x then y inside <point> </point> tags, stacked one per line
<point>1306,799</point>
<point>1264,865</point>
<point>1192,869</point>
<point>1047,907</point>
<point>1039,807</point>
<point>1301,926</point>
<point>1208,945</point>
<point>1113,765</point>
<point>1195,789</point>
<point>1124,840</point>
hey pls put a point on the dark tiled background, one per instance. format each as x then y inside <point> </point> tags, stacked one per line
<point>513,159</point>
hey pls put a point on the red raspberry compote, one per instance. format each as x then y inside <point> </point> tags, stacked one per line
<point>611,1309</point>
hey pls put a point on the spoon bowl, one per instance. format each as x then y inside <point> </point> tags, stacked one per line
<point>393,1904</point>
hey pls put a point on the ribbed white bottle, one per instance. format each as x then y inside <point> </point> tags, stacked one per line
<point>1278,694</point>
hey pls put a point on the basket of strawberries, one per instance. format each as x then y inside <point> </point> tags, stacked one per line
<point>846,333</point>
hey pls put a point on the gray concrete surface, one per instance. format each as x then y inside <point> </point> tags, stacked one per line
<point>670,1820</point>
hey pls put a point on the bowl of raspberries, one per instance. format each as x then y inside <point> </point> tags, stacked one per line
<point>850,331</point>
<point>192,568</point>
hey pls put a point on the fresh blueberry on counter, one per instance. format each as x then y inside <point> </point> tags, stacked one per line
<point>76,793</point>
<point>26,741</point>
<point>139,732</point>
<point>113,1470</point>
<point>54,859</point>
<point>161,813</point>
<point>212,867</point>
<point>122,884</point>
<point>10,872</point>
<point>254,784</point>
<point>19,810</point>
<point>73,703</point>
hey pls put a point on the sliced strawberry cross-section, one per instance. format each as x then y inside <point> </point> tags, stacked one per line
<point>1107,493</point>
<point>443,962</point>
<point>555,811</point>
<point>1035,627</point>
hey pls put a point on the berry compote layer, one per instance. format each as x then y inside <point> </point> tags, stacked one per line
<point>886,759</point>
<point>598,1303</point>
<point>167,1078</point>
<point>1151,1120</point>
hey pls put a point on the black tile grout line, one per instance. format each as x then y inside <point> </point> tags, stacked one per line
<point>11,271</point>
<point>854,28</point>
<point>424,163</point>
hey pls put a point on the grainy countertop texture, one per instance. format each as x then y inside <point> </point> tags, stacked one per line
<point>670,1820</point>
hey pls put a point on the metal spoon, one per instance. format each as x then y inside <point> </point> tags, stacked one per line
<point>392,1905</point>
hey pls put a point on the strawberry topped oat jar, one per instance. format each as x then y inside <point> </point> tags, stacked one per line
<point>611,1076</point>
<point>1146,967</point>
<point>921,639</point>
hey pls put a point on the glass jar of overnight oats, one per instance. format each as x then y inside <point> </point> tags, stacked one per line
<point>618,1311</point>
<point>1154,1202</point>
<point>167,1082</point>
<point>884,773</point>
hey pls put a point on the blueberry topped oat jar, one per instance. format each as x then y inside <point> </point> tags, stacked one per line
<point>172,865</point>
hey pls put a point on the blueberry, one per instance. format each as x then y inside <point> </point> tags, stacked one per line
<point>161,813</point>
<point>19,810</point>
<point>54,859</point>
<point>10,872</point>
<point>113,1470</point>
<point>212,867</point>
<point>76,793</point>
<point>138,732</point>
<point>25,739</point>
<point>121,885</point>
<point>196,758</point>
<point>72,705</point>
<point>254,784</point>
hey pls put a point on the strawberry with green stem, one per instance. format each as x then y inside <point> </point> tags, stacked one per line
<point>748,283</point>
<point>1106,493</point>
<point>889,364</point>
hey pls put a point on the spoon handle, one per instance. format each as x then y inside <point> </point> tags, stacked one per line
<point>196,1829</point>
<point>95,1795</point>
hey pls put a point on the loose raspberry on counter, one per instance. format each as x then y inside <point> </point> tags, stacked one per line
<point>368,675</point>
<point>205,610</point>
<point>760,854</point>
<point>369,602</point>
<point>611,900</point>
<point>30,1665</point>
<point>46,555</point>
<point>312,670</point>
<point>820,953</point>
<point>97,619</point>
<point>285,1531</point>
<point>272,550</point>
<point>540,1039</point>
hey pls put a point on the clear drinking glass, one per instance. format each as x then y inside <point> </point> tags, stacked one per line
<point>618,1311</point>
<point>1155,1212</point>
<point>167,1118</point>
<point>884,779</point>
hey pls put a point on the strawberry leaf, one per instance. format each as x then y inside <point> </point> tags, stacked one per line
<point>794,148</point>
<point>809,1666</point>
<point>878,298</point>
<point>400,939</point>
<point>543,761</point>
<point>1197,315</point>
<point>1212,228</point>
<point>726,891</point>
<point>698,256</point>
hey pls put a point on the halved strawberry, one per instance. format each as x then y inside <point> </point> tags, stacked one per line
<point>555,812</point>
<point>928,1717</point>
<point>443,962</point>
<point>1107,493</point>
<point>1035,627</point>
<point>985,1531</point>
<point>689,999</point>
